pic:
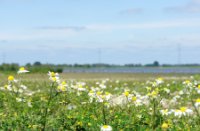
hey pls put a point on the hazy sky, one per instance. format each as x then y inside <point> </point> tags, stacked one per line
<point>108,31</point>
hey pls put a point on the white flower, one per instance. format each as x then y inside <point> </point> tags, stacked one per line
<point>20,91</point>
<point>29,104</point>
<point>167,90</point>
<point>175,99</point>
<point>198,91</point>
<point>168,85</point>
<point>181,92</point>
<point>165,112</point>
<point>177,113</point>
<point>53,74</point>
<point>2,88</point>
<point>80,86</point>
<point>23,87</point>
<point>159,81</point>
<point>81,89</point>
<point>8,87</point>
<point>19,99</point>
<point>106,128</point>
<point>102,86</point>
<point>71,107</point>
<point>138,102</point>
<point>183,111</point>
<point>116,88</point>
<point>61,88</point>
<point>22,70</point>
<point>91,93</point>
<point>188,84</point>
<point>29,93</point>
<point>15,89</point>
<point>197,103</point>
<point>107,96</point>
<point>118,100</point>
<point>54,77</point>
<point>99,99</point>
<point>117,81</point>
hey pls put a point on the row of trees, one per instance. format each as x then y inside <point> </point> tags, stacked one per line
<point>34,68</point>
<point>39,67</point>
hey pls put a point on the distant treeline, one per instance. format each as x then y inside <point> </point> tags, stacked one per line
<point>33,68</point>
<point>39,67</point>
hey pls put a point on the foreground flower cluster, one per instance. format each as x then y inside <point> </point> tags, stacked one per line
<point>104,105</point>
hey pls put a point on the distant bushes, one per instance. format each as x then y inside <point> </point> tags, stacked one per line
<point>38,67</point>
<point>9,67</point>
<point>34,68</point>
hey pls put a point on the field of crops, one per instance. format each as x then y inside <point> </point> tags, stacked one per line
<point>35,103</point>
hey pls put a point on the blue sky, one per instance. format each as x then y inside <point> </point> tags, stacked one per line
<point>92,31</point>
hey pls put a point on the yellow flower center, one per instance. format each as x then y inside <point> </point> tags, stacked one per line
<point>154,93</point>
<point>89,124</point>
<point>148,88</point>
<point>80,123</point>
<point>53,74</point>
<point>102,96</point>
<point>134,98</point>
<point>91,91</point>
<point>98,93</point>
<point>64,83</point>
<point>187,82</point>
<point>61,88</point>
<point>107,93</point>
<point>11,78</point>
<point>22,69</point>
<point>126,93</point>
<point>198,100</point>
<point>165,126</point>
<point>5,86</point>
<point>54,79</point>
<point>105,126</point>
<point>183,109</point>
<point>199,86</point>
<point>165,111</point>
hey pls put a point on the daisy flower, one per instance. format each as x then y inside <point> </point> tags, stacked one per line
<point>197,102</point>
<point>106,128</point>
<point>22,70</point>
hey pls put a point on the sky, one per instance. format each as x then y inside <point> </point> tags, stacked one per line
<point>100,31</point>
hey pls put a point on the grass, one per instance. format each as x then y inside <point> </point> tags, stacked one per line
<point>100,76</point>
<point>87,101</point>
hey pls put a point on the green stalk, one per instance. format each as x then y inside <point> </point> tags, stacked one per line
<point>196,110</point>
<point>154,115</point>
<point>104,115</point>
<point>46,110</point>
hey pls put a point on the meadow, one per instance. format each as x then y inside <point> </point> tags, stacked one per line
<point>99,101</point>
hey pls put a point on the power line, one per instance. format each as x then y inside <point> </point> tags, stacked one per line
<point>3,57</point>
<point>99,55</point>
<point>179,53</point>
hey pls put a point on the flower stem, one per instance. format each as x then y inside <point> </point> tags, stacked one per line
<point>46,110</point>
<point>104,115</point>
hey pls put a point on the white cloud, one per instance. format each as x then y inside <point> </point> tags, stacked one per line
<point>36,34</point>
<point>151,25</point>
<point>65,32</point>
<point>131,11</point>
<point>191,7</point>
<point>66,28</point>
<point>196,1</point>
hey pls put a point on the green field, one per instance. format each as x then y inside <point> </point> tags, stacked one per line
<point>99,76</point>
<point>94,101</point>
